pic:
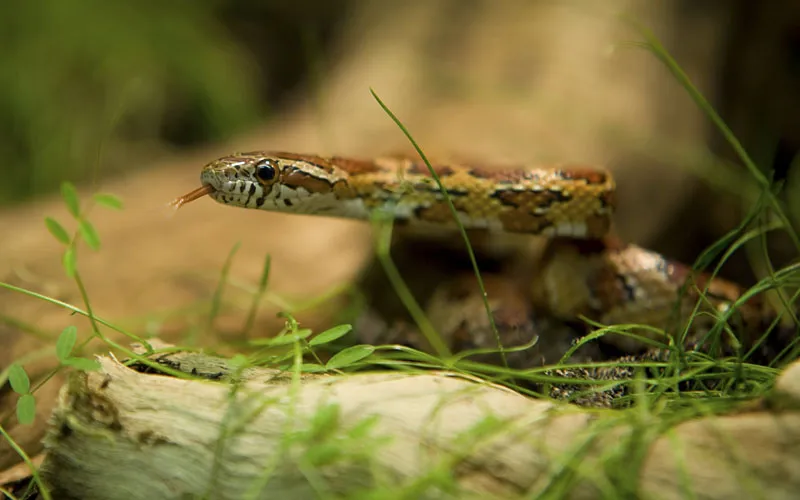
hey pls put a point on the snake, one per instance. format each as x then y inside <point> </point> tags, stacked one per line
<point>585,273</point>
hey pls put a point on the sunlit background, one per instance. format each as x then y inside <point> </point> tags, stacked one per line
<point>112,95</point>
<point>89,86</point>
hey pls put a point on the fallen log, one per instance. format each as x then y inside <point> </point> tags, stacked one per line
<point>260,433</point>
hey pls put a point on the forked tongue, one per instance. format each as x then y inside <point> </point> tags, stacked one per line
<point>191,196</point>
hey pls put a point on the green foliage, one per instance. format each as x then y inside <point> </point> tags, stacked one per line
<point>26,409</point>
<point>82,364</point>
<point>69,261</point>
<point>89,234</point>
<point>108,200</point>
<point>86,229</point>
<point>70,196</point>
<point>349,356</point>
<point>83,80</point>
<point>330,335</point>
<point>21,384</point>
<point>66,342</point>
<point>272,349</point>
<point>286,339</point>
<point>18,379</point>
<point>64,347</point>
<point>57,230</point>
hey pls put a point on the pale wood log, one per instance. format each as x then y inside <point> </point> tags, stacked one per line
<point>119,433</point>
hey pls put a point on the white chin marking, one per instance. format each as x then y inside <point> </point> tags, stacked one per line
<point>567,229</point>
<point>300,201</point>
<point>574,230</point>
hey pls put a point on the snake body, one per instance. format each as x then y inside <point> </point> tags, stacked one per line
<point>558,201</point>
<point>582,273</point>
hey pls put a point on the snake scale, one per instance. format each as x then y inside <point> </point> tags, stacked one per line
<point>584,272</point>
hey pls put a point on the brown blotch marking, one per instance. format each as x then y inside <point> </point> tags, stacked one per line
<point>462,338</point>
<point>419,168</point>
<point>588,174</point>
<point>459,290</point>
<point>597,226</point>
<point>608,199</point>
<point>678,274</point>
<point>343,191</point>
<point>720,291</point>
<point>436,212</point>
<point>614,243</point>
<point>355,166</point>
<point>719,288</point>
<point>609,287</point>
<point>318,161</point>
<point>728,290</point>
<point>528,199</point>
<point>506,175</point>
<point>519,221</point>
<point>298,178</point>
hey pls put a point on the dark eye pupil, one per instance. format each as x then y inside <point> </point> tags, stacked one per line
<point>265,170</point>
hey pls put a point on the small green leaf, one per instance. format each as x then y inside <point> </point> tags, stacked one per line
<point>89,234</point>
<point>69,262</point>
<point>83,364</point>
<point>65,342</point>
<point>70,196</point>
<point>108,201</point>
<point>20,383</point>
<point>26,409</point>
<point>349,356</point>
<point>57,230</point>
<point>330,335</point>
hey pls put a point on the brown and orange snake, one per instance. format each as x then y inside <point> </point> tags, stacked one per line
<point>582,275</point>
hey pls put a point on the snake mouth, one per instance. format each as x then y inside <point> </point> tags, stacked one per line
<point>205,189</point>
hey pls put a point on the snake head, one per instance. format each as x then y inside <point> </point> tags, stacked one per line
<point>242,180</point>
<point>283,182</point>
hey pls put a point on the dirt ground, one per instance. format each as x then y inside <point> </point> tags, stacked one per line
<point>520,81</point>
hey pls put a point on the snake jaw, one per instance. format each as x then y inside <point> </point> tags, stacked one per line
<point>225,184</point>
<point>232,187</point>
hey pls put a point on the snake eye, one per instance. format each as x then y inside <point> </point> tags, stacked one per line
<point>266,170</point>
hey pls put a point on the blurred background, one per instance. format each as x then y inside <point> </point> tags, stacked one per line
<point>87,85</point>
<point>133,97</point>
